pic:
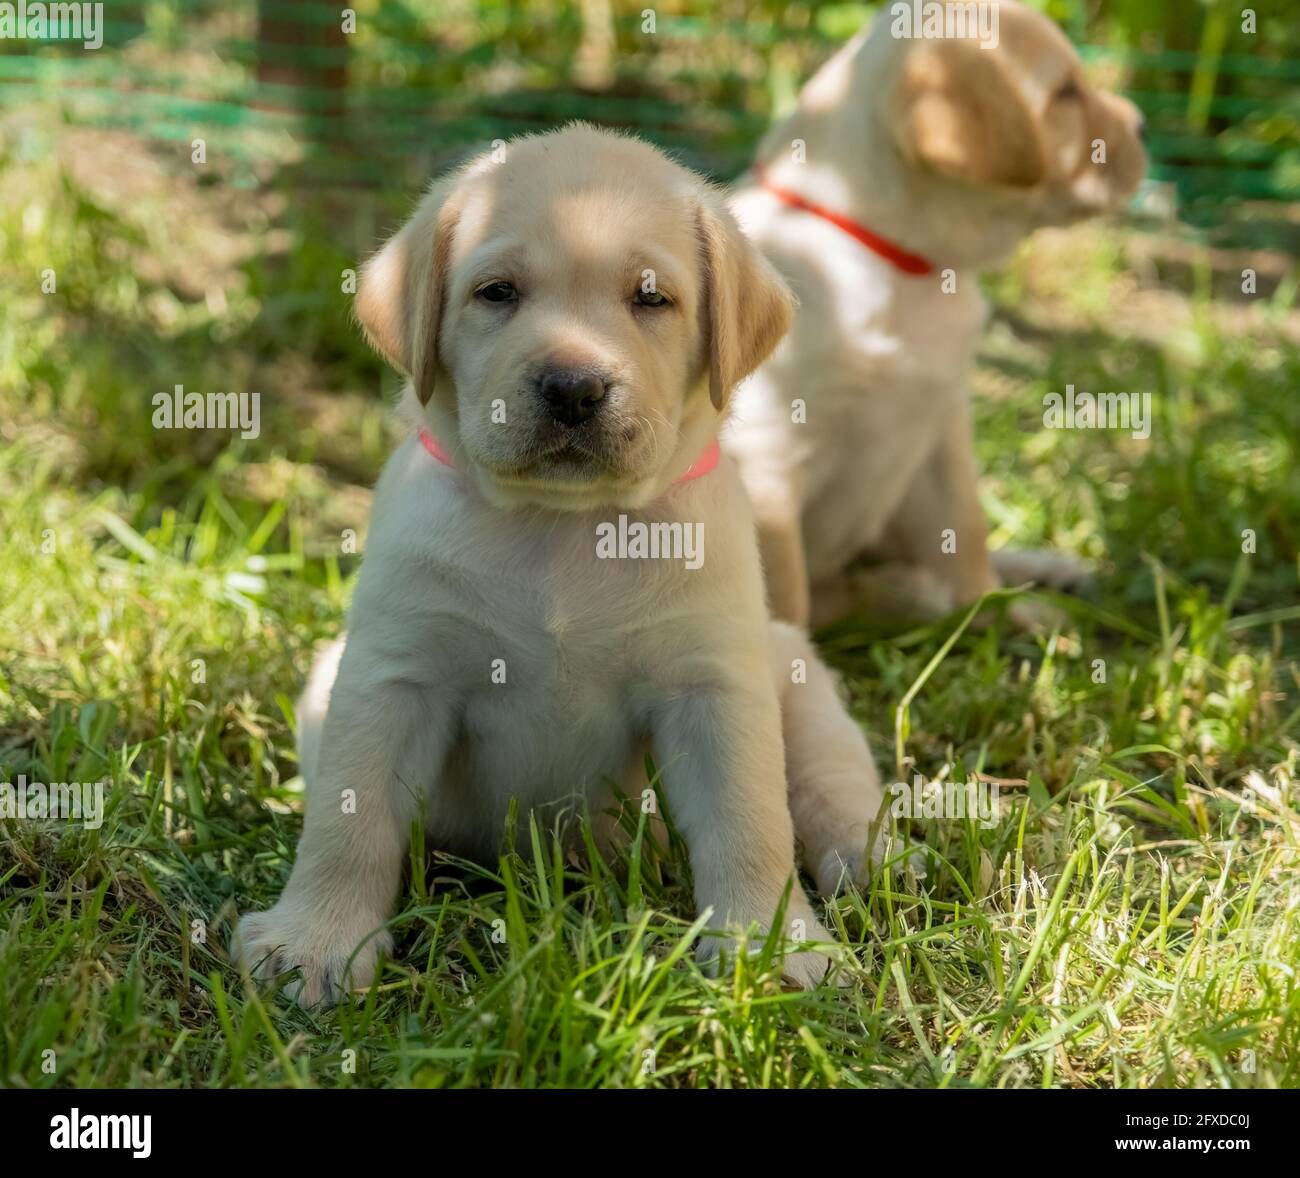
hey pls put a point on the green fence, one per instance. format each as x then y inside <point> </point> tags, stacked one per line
<point>315,94</point>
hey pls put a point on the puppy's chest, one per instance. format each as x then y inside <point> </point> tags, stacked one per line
<point>567,611</point>
<point>557,628</point>
<point>549,694</point>
<point>878,415</point>
<point>937,333</point>
<point>579,587</point>
<point>561,673</point>
<point>543,726</point>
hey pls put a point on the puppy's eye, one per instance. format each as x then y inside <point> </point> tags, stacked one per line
<point>1067,91</point>
<point>650,298</point>
<point>497,292</point>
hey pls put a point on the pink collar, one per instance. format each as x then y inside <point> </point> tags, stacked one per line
<point>895,254</point>
<point>700,467</point>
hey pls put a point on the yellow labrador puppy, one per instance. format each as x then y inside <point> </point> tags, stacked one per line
<point>560,573</point>
<point>910,162</point>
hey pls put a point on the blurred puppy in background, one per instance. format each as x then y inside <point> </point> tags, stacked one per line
<point>908,164</point>
<point>572,319</point>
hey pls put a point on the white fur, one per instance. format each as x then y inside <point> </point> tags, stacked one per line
<point>855,438</point>
<point>603,660</point>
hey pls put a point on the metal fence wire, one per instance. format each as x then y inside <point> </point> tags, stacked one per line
<point>380,94</point>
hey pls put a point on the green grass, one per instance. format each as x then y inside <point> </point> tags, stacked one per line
<point>1132,918</point>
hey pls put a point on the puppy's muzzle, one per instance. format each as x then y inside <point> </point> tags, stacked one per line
<point>572,395</point>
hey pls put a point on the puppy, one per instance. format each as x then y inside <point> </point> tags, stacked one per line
<point>572,319</point>
<point>907,165</point>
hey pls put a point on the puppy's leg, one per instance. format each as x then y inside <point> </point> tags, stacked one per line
<point>1053,570</point>
<point>381,742</point>
<point>723,768</point>
<point>834,787</point>
<point>780,542</point>
<point>940,528</point>
<point>1038,566</point>
<point>935,545</point>
<point>939,525</point>
<point>896,592</point>
<point>313,705</point>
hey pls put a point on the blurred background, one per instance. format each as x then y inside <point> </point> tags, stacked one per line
<point>378,95</point>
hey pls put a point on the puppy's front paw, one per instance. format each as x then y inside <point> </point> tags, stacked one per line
<point>836,850</point>
<point>807,968</point>
<point>838,868</point>
<point>330,960</point>
<point>804,968</point>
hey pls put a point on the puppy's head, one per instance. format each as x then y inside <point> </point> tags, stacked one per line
<point>573,314</point>
<point>1015,118</point>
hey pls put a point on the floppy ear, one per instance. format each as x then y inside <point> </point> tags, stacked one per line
<point>400,295</point>
<point>958,113</point>
<point>747,305</point>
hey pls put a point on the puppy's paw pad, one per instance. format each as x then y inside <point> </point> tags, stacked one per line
<point>328,965</point>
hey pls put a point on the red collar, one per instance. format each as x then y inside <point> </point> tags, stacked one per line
<point>895,254</point>
<point>700,467</point>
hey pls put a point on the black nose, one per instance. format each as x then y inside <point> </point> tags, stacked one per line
<point>572,394</point>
